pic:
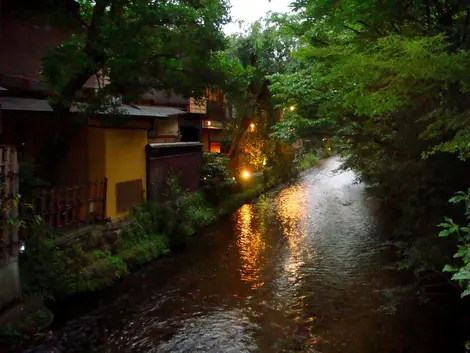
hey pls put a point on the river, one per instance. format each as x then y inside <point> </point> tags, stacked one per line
<point>302,269</point>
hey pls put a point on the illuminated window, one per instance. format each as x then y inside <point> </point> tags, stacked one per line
<point>214,147</point>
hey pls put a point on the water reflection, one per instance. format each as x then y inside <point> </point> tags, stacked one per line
<point>294,272</point>
<point>291,214</point>
<point>207,333</point>
<point>251,245</point>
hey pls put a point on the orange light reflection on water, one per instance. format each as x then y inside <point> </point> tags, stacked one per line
<point>291,214</point>
<point>251,245</point>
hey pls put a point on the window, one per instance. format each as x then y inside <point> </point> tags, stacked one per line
<point>214,147</point>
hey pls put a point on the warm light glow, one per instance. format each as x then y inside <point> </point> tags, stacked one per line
<point>251,246</point>
<point>246,174</point>
<point>252,126</point>
<point>214,147</point>
<point>292,108</point>
<point>291,214</point>
<point>209,123</point>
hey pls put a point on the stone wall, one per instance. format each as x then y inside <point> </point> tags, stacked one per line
<point>106,237</point>
<point>9,279</point>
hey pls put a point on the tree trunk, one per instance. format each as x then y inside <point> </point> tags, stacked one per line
<point>237,137</point>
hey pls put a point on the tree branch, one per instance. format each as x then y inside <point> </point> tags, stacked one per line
<point>370,27</point>
<point>397,31</point>
<point>352,29</point>
<point>75,83</point>
<point>465,27</point>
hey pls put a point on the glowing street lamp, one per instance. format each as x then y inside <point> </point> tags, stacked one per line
<point>252,127</point>
<point>246,174</point>
<point>292,108</point>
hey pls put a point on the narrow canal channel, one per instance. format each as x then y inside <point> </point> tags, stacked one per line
<point>300,270</point>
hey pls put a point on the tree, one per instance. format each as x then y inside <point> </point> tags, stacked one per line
<point>137,46</point>
<point>389,81</point>
<point>262,50</point>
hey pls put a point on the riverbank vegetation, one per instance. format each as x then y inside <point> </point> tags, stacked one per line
<point>50,270</point>
<point>387,84</point>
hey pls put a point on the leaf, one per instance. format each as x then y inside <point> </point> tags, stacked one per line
<point>457,199</point>
<point>449,220</point>
<point>444,225</point>
<point>449,268</point>
<point>444,233</point>
<point>461,275</point>
<point>465,293</point>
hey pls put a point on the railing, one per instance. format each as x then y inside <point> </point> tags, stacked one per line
<point>71,206</point>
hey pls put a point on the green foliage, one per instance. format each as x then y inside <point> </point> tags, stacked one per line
<point>282,166</point>
<point>138,46</point>
<point>388,84</point>
<point>30,322</point>
<point>262,50</point>
<point>187,212</point>
<point>176,219</point>
<point>43,265</point>
<point>461,272</point>
<point>306,161</point>
<point>146,221</point>
<point>255,189</point>
<point>217,180</point>
<point>142,252</point>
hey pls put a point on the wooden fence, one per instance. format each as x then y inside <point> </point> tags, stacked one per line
<point>70,206</point>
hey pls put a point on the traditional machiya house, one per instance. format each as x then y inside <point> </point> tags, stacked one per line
<point>106,168</point>
<point>213,124</point>
<point>95,153</point>
<point>204,120</point>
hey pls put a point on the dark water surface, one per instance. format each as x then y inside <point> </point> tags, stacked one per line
<point>301,270</point>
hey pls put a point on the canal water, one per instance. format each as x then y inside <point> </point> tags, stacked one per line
<point>301,270</point>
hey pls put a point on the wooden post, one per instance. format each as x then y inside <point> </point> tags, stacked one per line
<point>105,192</point>
<point>9,273</point>
<point>15,187</point>
<point>3,200</point>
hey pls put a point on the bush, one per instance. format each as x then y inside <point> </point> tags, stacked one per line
<point>43,266</point>
<point>51,272</point>
<point>306,160</point>
<point>185,212</point>
<point>145,251</point>
<point>461,270</point>
<point>217,181</point>
<point>282,169</point>
<point>147,221</point>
